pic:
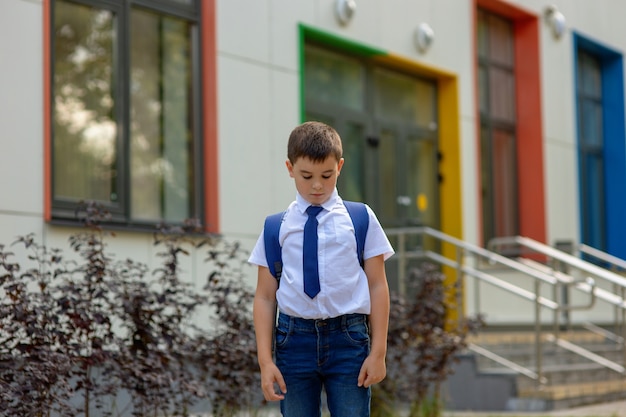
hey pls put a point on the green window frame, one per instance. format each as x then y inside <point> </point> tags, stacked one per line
<point>125,109</point>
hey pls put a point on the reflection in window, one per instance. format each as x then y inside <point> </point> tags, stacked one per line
<point>161,169</point>
<point>333,78</point>
<point>85,131</point>
<point>400,97</point>
<point>388,123</point>
<point>591,149</point>
<point>504,183</point>
<point>422,181</point>
<point>387,160</point>
<point>351,181</point>
<point>496,92</point>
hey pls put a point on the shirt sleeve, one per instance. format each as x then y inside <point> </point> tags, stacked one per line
<point>257,256</point>
<point>376,241</point>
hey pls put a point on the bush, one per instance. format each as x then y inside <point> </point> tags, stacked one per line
<point>98,326</point>
<point>422,344</point>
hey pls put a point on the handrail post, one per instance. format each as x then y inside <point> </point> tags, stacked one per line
<point>623,324</point>
<point>459,285</point>
<point>557,312</point>
<point>566,246</point>
<point>476,286</point>
<point>402,264</point>
<point>538,359</point>
<point>616,311</point>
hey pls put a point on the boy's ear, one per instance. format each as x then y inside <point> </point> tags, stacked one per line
<point>339,165</point>
<point>289,167</point>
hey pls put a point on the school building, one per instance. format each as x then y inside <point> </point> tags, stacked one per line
<point>479,119</point>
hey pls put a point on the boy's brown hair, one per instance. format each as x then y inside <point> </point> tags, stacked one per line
<point>314,140</point>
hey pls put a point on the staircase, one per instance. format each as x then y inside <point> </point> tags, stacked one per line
<point>545,357</point>
<point>569,379</point>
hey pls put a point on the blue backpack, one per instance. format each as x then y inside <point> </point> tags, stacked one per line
<point>273,251</point>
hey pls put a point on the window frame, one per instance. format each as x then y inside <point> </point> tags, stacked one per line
<point>613,145</point>
<point>203,157</point>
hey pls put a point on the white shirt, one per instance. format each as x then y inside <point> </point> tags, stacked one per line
<point>343,283</point>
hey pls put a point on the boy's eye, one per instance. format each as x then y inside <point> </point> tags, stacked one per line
<point>325,176</point>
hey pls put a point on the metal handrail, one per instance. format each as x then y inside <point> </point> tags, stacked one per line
<point>618,282</point>
<point>507,363</point>
<point>463,249</point>
<point>615,262</point>
<point>561,256</point>
<point>603,332</point>
<point>587,354</point>
<point>616,265</point>
<point>495,281</point>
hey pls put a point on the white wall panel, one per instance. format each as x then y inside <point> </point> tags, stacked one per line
<point>14,225</point>
<point>285,116</point>
<point>470,186</point>
<point>561,193</point>
<point>244,29</point>
<point>245,150</point>
<point>21,107</point>
<point>285,15</point>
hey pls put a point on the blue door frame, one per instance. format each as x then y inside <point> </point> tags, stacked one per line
<point>614,139</point>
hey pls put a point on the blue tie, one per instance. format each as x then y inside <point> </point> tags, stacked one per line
<point>309,253</point>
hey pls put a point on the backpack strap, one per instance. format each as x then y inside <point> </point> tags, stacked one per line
<point>273,251</point>
<point>361,221</point>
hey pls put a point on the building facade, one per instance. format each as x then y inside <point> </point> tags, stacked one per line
<point>479,118</point>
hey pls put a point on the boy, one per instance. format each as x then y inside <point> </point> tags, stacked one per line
<point>324,337</point>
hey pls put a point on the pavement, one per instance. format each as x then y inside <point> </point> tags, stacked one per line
<point>612,409</point>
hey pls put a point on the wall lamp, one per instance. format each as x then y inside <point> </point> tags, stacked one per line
<point>423,37</point>
<point>556,20</point>
<point>344,9</point>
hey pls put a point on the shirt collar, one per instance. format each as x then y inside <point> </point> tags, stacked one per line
<point>302,204</point>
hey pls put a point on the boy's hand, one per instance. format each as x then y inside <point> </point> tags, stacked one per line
<point>372,372</point>
<point>270,377</point>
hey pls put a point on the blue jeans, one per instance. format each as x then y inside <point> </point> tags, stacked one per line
<point>328,354</point>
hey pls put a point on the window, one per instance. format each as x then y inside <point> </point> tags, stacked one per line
<point>387,120</point>
<point>591,149</point>
<point>125,109</point>
<point>496,85</point>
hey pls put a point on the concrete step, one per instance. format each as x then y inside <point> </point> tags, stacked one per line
<point>571,374</point>
<point>551,355</point>
<point>571,379</point>
<point>519,347</point>
<point>576,394</point>
<point>516,338</point>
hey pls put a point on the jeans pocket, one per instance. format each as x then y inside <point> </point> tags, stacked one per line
<point>282,335</point>
<point>357,333</point>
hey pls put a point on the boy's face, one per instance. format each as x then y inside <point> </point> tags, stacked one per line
<point>315,181</point>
